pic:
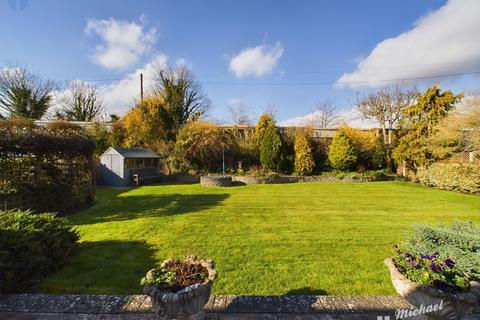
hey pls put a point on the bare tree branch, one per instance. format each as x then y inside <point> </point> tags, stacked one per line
<point>240,115</point>
<point>324,115</point>
<point>386,105</point>
<point>80,102</point>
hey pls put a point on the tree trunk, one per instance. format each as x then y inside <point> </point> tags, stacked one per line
<point>386,141</point>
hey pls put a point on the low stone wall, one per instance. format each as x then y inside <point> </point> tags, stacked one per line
<point>291,179</point>
<point>264,179</point>
<point>216,181</point>
<point>276,179</point>
<point>139,307</point>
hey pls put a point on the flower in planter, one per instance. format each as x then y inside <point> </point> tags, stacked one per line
<point>179,289</point>
<point>432,270</point>
<point>449,263</point>
<point>175,275</point>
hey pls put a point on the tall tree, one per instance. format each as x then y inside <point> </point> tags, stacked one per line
<point>24,94</point>
<point>419,122</point>
<point>386,106</point>
<point>459,132</point>
<point>264,121</point>
<point>80,101</point>
<point>182,95</point>
<point>324,115</point>
<point>145,123</point>
<point>271,148</point>
<point>304,162</point>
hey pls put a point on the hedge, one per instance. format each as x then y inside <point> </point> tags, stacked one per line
<point>42,142</point>
<point>31,247</point>
<point>456,177</point>
<point>46,171</point>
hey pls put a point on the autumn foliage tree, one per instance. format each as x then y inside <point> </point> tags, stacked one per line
<point>419,124</point>
<point>459,132</point>
<point>145,124</point>
<point>264,121</point>
<point>304,162</point>
<point>201,143</point>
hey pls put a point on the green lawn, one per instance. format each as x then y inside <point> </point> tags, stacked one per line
<point>319,238</point>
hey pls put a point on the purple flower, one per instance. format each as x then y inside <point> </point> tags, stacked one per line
<point>426,258</point>
<point>435,268</point>
<point>449,262</point>
<point>440,284</point>
<point>435,255</point>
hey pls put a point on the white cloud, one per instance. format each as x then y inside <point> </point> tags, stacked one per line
<point>352,117</point>
<point>234,101</point>
<point>123,44</point>
<point>442,43</point>
<point>256,61</point>
<point>121,95</point>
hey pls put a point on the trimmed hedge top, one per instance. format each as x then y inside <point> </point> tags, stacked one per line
<point>40,141</point>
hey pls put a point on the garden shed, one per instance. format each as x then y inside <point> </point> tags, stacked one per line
<point>121,167</point>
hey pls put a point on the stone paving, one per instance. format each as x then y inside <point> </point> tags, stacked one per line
<point>138,307</point>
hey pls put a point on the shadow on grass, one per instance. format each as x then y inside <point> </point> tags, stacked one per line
<point>120,208</point>
<point>307,291</point>
<point>106,267</point>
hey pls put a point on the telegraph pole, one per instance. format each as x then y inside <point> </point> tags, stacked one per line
<point>141,86</point>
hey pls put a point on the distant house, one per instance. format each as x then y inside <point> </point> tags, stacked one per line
<point>121,167</point>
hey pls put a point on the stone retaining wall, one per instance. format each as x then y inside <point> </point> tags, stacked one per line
<point>291,179</point>
<point>216,181</point>
<point>282,179</point>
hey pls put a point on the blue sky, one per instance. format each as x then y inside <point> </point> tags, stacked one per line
<point>290,54</point>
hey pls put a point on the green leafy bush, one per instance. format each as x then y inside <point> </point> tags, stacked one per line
<point>342,154</point>
<point>448,176</point>
<point>304,163</point>
<point>31,247</point>
<point>446,257</point>
<point>370,175</point>
<point>271,148</point>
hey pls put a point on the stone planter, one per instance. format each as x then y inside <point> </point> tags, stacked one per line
<point>453,306</point>
<point>216,181</point>
<point>186,304</point>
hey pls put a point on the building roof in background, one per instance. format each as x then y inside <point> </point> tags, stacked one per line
<point>133,152</point>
